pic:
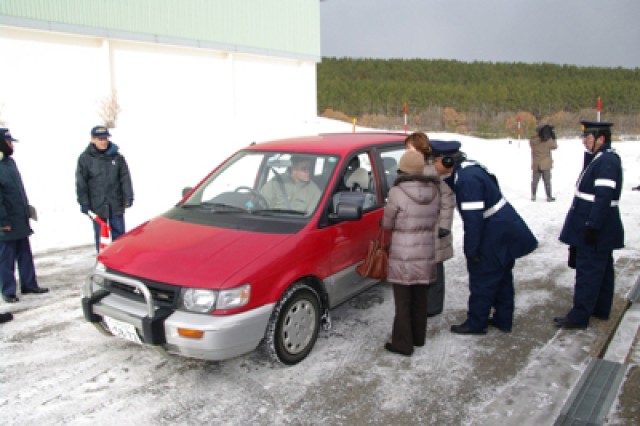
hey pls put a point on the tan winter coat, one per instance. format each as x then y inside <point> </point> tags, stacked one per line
<point>541,153</point>
<point>411,214</point>
<point>444,246</point>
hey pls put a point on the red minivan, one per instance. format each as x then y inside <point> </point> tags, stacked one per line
<point>255,255</point>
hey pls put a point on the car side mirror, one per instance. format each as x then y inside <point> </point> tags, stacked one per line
<point>346,212</point>
<point>186,190</point>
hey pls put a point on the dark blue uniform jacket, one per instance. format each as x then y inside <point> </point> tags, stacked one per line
<point>493,230</point>
<point>14,206</point>
<point>595,203</point>
<point>103,181</point>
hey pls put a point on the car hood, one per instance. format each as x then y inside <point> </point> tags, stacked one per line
<point>185,254</point>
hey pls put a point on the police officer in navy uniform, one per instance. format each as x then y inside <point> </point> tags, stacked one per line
<point>593,228</point>
<point>494,237</point>
<point>15,228</point>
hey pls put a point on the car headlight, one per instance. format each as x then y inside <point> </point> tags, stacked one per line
<point>99,267</point>
<point>234,298</point>
<point>198,299</point>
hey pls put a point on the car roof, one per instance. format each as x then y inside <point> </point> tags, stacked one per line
<point>330,143</point>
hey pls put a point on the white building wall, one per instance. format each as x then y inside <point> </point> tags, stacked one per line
<point>178,105</point>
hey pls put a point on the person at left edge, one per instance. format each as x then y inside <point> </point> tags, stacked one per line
<point>103,183</point>
<point>494,237</point>
<point>15,230</point>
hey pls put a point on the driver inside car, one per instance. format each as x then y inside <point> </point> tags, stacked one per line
<point>294,190</point>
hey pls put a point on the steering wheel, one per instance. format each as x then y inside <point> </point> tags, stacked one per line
<point>259,198</point>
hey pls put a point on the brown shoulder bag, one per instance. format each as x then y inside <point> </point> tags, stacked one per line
<point>376,263</point>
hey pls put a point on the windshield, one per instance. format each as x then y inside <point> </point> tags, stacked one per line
<point>266,183</point>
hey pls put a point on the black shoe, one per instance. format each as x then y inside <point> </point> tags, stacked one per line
<point>433,314</point>
<point>37,290</point>
<point>465,329</point>
<point>390,348</point>
<point>6,317</point>
<point>550,199</point>
<point>10,299</point>
<point>493,323</point>
<point>564,322</point>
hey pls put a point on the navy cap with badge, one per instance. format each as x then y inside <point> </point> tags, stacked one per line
<point>6,135</point>
<point>100,132</point>
<point>444,148</point>
<point>596,128</point>
<point>6,148</point>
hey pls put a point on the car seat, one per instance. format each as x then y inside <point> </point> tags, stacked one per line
<point>358,180</point>
<point>390,170</point>
<point>358,193</point>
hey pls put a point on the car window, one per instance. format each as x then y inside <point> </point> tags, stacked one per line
<point>357,183</point>
<point>390,160</point>
<point>267,183</point>
<point>233,176</point>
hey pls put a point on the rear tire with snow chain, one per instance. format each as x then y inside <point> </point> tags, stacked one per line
<point>294,325</point>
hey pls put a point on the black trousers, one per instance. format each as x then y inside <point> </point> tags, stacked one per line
<point>535,179</point>
<point>594,286</point>
<point>410,322</point>
<point>435,292</point>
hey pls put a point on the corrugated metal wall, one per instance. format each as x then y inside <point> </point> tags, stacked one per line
<point>277,27</point>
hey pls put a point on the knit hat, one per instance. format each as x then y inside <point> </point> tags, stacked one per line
<point>412,163</point>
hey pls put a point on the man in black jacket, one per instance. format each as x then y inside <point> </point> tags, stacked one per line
<point>15,230</point>
<point>103,183</point>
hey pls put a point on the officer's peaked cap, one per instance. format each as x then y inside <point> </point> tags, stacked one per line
<point>595,127</point>
<point>442,148</point>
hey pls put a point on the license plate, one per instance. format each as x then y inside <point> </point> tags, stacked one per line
<point>122,330</point>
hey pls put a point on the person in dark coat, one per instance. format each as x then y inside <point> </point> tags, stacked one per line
<point>103,183</point>
<point>411,215</point>
<point>494,237</point>
<point>15,229</point>
<point>593,228</point>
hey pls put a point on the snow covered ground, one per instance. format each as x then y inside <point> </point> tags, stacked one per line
<point>57,369</point>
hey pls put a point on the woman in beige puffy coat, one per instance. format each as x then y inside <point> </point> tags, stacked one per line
<point>419,141</point>
<point>411,214</point>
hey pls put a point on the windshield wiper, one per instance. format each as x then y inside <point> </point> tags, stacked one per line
<point>280,211</point>
<point>216,207</point>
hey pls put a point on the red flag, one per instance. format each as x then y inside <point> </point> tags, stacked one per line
<point>105,230</point>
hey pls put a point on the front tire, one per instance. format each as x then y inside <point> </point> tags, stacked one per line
<point>294,325</point>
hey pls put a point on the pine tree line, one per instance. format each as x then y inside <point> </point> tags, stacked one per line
<point>488,95</point>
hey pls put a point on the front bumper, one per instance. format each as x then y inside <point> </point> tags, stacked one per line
<point>223,337</point>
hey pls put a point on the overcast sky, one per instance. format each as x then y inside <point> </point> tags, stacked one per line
<point>579,32</point>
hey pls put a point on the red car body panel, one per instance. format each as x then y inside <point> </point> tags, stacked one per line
<point>190,254</point>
